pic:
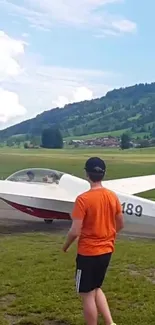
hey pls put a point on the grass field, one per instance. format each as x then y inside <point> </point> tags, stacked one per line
<point>117,133</point>
<point>37,282</point>
<point>37,278</point>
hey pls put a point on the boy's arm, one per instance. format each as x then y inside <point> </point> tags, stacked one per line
<point>119,216</point>
<point>77,216</point>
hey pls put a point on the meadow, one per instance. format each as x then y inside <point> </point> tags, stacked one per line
<point>117,133</point>
<point>37,278</point>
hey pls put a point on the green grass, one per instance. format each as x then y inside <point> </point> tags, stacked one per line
<point>136,117</point>
<point>98,135</point>
<point>117,133</point>
<point>37,281</point>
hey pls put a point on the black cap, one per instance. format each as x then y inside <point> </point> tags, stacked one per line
<point>95,165</point>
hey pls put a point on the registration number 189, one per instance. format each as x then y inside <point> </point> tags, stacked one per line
<point>132,209</point>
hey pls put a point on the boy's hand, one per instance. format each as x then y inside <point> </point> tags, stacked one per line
<point>65,248</point>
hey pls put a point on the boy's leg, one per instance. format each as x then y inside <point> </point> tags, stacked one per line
<point>93,302</point>
<point>89,308</point>
<point>88,282</point>
<point>101,267</point>
<point>102,306</point>
<point>85,288</point>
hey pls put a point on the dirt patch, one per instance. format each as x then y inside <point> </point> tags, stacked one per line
<point>15,320</point>
<point>20,320</point>
<point>12,320</point>
<point>5,301</point>
<point>51,322</point>
<point>134,273</point>
<point>149,275</point>
<point>150,280</point>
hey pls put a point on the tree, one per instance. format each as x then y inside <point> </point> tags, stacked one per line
<point>26,146</point>
<point>9,142</point>
<point>35,140</point>
<point>125,141</point>
<point>17,141</point>
<point>52,138</point>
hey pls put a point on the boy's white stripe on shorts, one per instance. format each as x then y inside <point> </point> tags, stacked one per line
<point>78,279</point>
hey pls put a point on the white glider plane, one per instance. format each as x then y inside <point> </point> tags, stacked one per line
<point>50,194</point>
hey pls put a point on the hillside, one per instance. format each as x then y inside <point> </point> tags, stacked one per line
<point>130,108</point>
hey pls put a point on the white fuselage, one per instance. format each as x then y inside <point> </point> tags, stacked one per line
<point>61,197</point>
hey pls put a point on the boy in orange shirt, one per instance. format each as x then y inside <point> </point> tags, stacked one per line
<point>97,217</point>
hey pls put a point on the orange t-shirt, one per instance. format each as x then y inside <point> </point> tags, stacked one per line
<point>98,209</point>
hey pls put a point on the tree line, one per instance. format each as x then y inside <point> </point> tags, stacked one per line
<point>51,138</point>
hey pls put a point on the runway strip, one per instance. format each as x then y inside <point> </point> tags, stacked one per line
<point>15,222</point>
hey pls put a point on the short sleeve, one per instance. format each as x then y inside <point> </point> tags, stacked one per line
<point>118,206</point>
<point>79,209</point>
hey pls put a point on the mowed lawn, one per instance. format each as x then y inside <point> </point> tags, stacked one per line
<point>37,282</point>
<point>37,278</point>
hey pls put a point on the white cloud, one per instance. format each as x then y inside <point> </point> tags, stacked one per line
<point>10,106</point>
<point>10,49</point>
<point>10,68</point>
<point>89,14</point>
<point>79,94</point>
<point>44,87</point>
<point>41,87</point>
<point>124,25</point>
<point>25,35</point>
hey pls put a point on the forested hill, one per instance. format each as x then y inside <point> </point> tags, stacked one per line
<point>126,108</point>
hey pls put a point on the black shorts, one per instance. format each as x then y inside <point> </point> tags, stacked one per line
<point>90,271</point>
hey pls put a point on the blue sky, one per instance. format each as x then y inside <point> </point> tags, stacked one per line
<point>56,52</point>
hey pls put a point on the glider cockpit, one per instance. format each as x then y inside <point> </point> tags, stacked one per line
<point>36,175</point>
